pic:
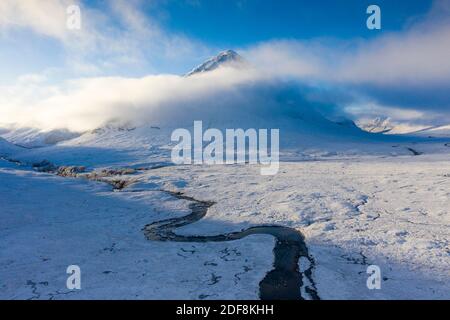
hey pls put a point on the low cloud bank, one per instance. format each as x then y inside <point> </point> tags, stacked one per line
<point>224,96</point>
<point>401,73</point>
<point>408,69</point>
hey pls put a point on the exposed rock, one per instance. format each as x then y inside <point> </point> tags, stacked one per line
<point>70,171</point>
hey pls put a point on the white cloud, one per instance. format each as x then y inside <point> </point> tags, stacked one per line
<point>414,58</point>
<point>112,38</point>
<point>408,69</point>
<point>46,17</point>
<point>86,104</point>
<point>417,55</point>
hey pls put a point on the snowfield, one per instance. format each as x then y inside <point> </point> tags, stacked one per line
<point>50,223</point>
<point>390,211</point>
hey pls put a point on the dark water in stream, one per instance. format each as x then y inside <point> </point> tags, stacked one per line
<point>283,282</point>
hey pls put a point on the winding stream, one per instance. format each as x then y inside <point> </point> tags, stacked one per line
<point>283,282</point>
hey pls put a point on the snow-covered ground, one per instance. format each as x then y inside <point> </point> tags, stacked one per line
<point>49,223</point>
<point>389,209</point>
<point>391,213</point>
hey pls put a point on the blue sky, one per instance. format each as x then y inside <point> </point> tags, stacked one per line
<point>212,25</point>
<point>244,22</point>
<point>402,70</point>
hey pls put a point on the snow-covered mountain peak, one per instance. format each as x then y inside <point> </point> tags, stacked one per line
<point>227,57</point>
<point>377,125</point>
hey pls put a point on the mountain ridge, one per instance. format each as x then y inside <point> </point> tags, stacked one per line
<point>227,57</point>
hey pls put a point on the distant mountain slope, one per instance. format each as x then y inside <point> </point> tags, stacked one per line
<point>7,148</point>
<point>435,131</point>
<point>384,125</point>
<point>228,57</point>
<point>33,138</point>
<point>377,125</point>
